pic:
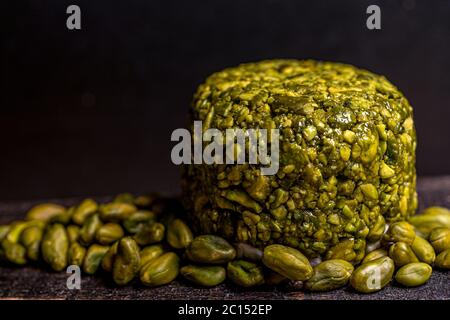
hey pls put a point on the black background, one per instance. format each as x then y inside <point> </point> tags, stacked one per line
<point>90,112</point>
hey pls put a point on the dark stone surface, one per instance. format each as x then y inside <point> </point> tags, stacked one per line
<point>39,283</point>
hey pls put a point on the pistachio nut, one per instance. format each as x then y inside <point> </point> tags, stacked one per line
<point>83,210</point>
<point>402,254</point>
<point>64,217</point>
<point>150,233</point>
<point>73,232</point>
<point>161,270</point>
<point>16,229</point>
<point>375,254</point>
<point>435,210</point>
<point>126,262</point>
<point>90,227</point>
<point>423,250</point>
<point>55,246</point>
<point>244,273</point>
<point>76,254</point>
<point>179,236</point>
<point>431,218</point>
<point>124,198</point>
<point>31,239</point>
<point>443,260</point>
<point>108,258</point>
<point>93,258</point>
<point>210,249</point>
<point>135,221</point>
<point>44,211</point>
<point>330,275</point>
<point>115,212</point>
<point>151,252</point>
<point>373,275</point>
<point>287,261</point>
<point>4,230</point>
<point>413,274</point>
<point>377,230</point>
<point>440,239</point>
<point>207,276</point>
<point>400,231</point>
<point>343,250</point>
<point>14,252</point>
<point>109,233</point>
<point>144,201</point>
<point>248,252</point>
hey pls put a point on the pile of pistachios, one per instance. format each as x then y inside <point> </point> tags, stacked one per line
<point>145,237</point>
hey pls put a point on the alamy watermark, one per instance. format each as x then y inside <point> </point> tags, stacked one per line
<point>373,22</point>
<point>74,280</point>
<point>237,146</point>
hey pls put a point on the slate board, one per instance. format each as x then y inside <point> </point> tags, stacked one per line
<point>39,283</point>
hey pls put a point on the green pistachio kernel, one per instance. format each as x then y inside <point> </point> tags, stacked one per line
<point>413,274</point>
<point>144,201</point>
<point>161,270</point>
<point>423,250</point>
<point>108,258</point>
<point>343,250</point>
<point>386,171</point>
<point>210,249</point>
<point>244,273</point>
<point>14,252</point>
<point>402,254</point>
<point>373,276</point>
<point>150,233</point>
<point>55,247</point>
<point>151,252</point>
<point>93,258</point>
<point>76,254</point>
<point>44,211</point>
<point>443,260</point>
<point>400,231</point>
<point>73,232</point>
<point>64,217</point>
<point>431,218</point>
<point>440,239</point>
<point>16,229</point>
<point>243,199</point>
<point>287,261</point>
<point>109,233</point>
<point>90,227</point>
<point>124,198</point>
<point>206,276</point>
<point>31,238</point>
<point>330,275</point>
<point>179,236</point>
<point>4,230</point>
<point>375,254</point>
<point>377,230</point>
<point>83,210</point>
<point>349,136</point>
<point>116,211</point>
<point>126,262</point>
<point>136,220</point>
<point>369,191</point>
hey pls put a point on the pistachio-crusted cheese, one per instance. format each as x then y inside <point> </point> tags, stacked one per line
<point>347,156</point>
